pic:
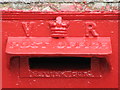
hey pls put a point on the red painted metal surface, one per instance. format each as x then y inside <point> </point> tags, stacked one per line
<point>61,47</point>
<point>30,35</point>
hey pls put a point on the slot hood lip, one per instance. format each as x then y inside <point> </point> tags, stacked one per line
<point>18,48</point>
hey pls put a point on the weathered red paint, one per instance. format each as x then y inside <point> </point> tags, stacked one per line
<point>89,34</point>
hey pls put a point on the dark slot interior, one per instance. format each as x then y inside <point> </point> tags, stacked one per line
<point>60,63</point>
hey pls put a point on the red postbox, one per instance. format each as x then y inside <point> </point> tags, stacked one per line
<point>60,49</point>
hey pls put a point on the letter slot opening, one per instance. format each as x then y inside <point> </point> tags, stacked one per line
<point>43,67</point>
<point>60,63</point>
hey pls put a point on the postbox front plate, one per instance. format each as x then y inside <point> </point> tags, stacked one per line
<point>20,45</point>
